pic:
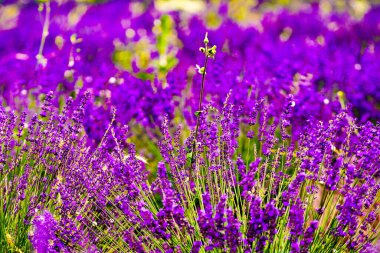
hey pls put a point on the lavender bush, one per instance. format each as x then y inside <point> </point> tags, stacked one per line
<point>148,56</point>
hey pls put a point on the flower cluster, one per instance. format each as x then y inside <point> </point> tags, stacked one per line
<point>35,153</point>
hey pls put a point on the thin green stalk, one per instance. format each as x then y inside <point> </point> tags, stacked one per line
<point>208,52</point>
<point>197,115</point>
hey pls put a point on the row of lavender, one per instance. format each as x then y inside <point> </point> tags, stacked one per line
<point>323,60</point>
<point>259,173</point>
<point>245,189</point>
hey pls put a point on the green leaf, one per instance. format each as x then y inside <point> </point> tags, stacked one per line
<point>163,37</point>
<point>189,156</point>
<point>145,76</point>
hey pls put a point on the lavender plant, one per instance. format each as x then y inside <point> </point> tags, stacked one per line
<point>248,188</point>
<point>35,153</point>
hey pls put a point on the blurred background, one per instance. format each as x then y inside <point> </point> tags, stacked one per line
<point>140,57</point>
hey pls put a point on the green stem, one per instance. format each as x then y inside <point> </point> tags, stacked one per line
<point>198,114</point>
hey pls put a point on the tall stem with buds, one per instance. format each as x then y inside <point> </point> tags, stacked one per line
<point>209,52</point>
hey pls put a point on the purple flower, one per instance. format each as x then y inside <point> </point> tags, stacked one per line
<point>44,238</point>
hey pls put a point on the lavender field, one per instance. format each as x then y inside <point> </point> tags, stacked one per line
<point>190,126</point>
